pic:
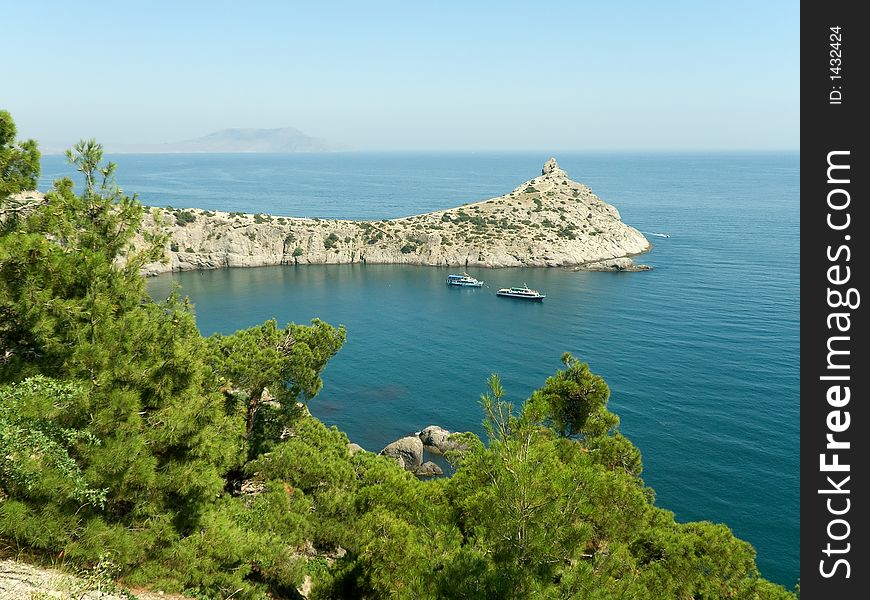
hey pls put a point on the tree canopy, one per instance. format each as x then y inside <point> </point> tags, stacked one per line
<point>288,361</point>
<point>19,161</point>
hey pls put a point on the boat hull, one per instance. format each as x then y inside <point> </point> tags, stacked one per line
<point>464,280</point>
<point>521,297</point>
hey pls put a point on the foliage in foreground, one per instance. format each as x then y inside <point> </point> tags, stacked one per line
<point>127,436</point>
<point>19,162</point>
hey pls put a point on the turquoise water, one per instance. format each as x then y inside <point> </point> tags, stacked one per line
<point>701,353</point>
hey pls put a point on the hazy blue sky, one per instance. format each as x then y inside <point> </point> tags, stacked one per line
<point>409,75</point>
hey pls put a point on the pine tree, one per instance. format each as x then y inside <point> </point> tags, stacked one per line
<point>288,362</point>
<point>76,310</point>
<point>117,437</point>
<point>19,162</point>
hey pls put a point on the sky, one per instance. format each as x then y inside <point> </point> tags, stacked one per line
<point>420,76</point>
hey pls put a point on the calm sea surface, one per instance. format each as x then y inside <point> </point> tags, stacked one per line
<point>701,353</point>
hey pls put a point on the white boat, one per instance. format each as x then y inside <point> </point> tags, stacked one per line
<point>523,293</point>
<point>464,280</point>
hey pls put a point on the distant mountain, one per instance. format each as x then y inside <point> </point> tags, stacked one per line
<point>282,140</point>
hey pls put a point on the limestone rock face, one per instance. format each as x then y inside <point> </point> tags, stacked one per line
<point>252,487</point>
<point>19,580</point>
<point>551,167</point>
<point>408,450</point>
<point>548,221</point>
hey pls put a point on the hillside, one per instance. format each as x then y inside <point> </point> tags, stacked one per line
<point>548,221</point>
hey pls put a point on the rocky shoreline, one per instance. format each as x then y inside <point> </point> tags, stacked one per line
<point>548,221</point>
<point>409,452</point>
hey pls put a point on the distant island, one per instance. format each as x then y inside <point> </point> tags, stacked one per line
<point>275,141</point>
<point>548,221</point>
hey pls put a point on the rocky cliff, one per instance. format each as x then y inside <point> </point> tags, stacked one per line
<point>547,221</point>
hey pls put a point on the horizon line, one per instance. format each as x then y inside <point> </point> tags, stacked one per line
<point>53,152</point>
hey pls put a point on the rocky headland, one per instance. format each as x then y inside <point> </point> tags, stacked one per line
<point>548,221</point>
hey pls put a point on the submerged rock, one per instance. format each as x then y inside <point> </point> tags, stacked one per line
<point>614,264</point>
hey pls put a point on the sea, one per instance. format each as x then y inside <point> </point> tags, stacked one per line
<point>701,353</point>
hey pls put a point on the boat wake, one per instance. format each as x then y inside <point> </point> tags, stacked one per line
<point>664,235</point>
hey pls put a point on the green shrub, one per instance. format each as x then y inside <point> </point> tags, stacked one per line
<point>183,217</point>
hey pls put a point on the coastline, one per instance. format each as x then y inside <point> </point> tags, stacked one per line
<point>548,221</point>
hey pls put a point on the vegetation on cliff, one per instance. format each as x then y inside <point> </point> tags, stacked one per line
<point>126,437</point>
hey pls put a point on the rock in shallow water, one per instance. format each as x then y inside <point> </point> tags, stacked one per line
<point>437,440</point>
<point>615,264</point>
<point>408,449</point>
<point>429,469</point>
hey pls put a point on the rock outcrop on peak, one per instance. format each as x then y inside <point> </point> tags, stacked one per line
<point>551,167</point>
<point>548,221</point>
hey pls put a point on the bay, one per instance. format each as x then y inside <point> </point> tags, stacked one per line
<point>701,354</point>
